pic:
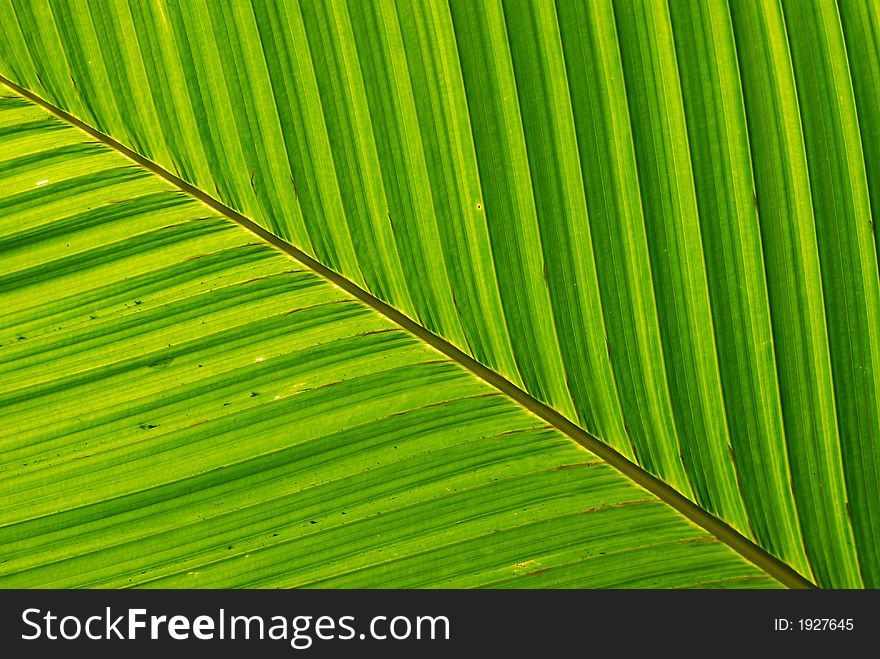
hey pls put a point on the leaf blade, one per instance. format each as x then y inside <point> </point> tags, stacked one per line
<point>190,407</point>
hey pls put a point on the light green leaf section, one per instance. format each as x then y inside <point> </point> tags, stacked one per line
<point>185,406</point>
<point>655,217</point>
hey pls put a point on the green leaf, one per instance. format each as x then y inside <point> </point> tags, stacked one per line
<point>647,223</point>
<point>186,406</point>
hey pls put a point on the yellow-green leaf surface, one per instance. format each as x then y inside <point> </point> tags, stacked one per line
<point>649,218</point>
<point>186,406</point>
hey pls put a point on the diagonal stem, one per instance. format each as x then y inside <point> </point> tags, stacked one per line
<point>773,566</point>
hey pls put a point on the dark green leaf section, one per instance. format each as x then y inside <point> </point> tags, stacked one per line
<point>599,107</point>
<point>717,135</point>
<point>789,242</point>
<point>861,30</point>
<point>654,218</point>
<point>847,256</point>
<point>186,406</point>
<point>677,262</point>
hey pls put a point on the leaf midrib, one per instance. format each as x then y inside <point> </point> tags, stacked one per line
<point>748,549</point>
